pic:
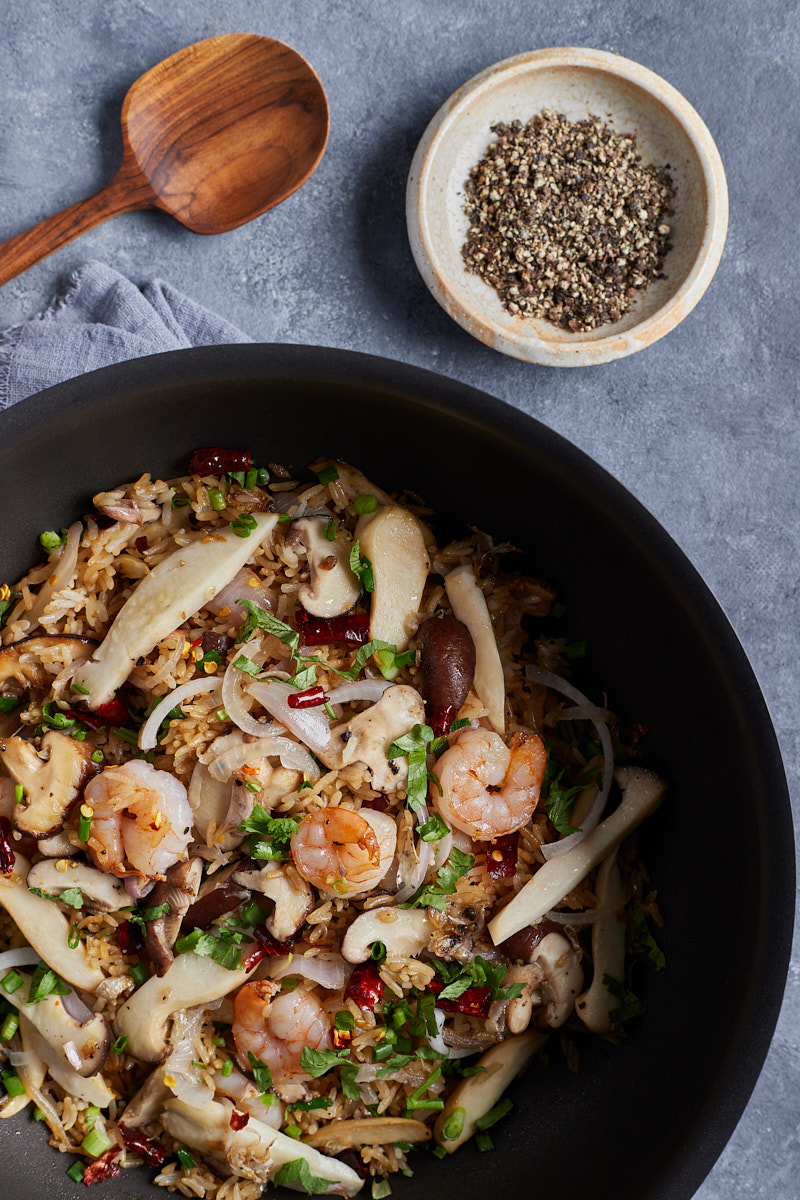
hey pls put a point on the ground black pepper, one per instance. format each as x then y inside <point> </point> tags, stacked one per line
<point>566,222</point>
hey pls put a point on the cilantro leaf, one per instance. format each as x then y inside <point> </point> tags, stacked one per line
<point>630,1005</point>
<point>223,946</point>
<point>298,1171</point>
<point>310,1105</point>
<point>45,983</point>
<point>559,801</point>
<point>319,1062</point>
<point>259,618</point>
<point>644,938</point>
<point>347,1074</point>
<point>261,1072</point>
<point>478,973</point>
<point>246,665</point>
<point>70,896</point>
<point>362,568</point>
<point>141,916</point>
<point>269,836</point>
<point>434,895</point>
<point>434,829</point>
<point>414,746</point>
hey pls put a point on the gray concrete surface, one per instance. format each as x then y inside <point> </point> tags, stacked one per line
<point>704,427</point>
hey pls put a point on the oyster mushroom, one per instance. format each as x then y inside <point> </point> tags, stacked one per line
<point>394,542</point>
<point>32,1071</point>
<point>642,792</point>
<point>219,894</point>
<point>333,588</point>
<point>597,1003</point>
<point>403,931</point>
<point>469,606</point>
<point>178,889</point>
<point>22,660</point>
<point>148,1102</point>
<point>93,1089</point>
<point>479,1093</point>
<point>175,590</point>
<point>189,981</point>
<point>257,1148</point>
<point>100,892</point>
<point>447,669</point>
<point>52,784</point>
<point>367,1131</point>
<point>80,1037</point>
<point>46,929</point>
<point>63,561</point>
<point>293,897</point>
<point>557,976</point>
<point>367,737</point>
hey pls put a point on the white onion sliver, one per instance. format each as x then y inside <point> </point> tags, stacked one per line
<point>76,1007</point>
<point>148,734</point>
<point>234,682</point>
<point>437,1042</point>
<point>417,875</point>
<point>167,669</point>
<point>548,679</point>
<point>23,956</point>
<point>310,725</point>
<point>443,851</point>
<point>358,689</point>
<point>587,712</point>
<point>291,754</point>
<point>573,918</point>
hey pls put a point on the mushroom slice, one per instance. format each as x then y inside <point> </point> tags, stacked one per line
<point>293,897</point>
<point>190,980</point>
<point>403,931</point>
<point>32,1071</point>
<point>562,974</point>
<point>101,892</point>
<point>52,783</point>
<point>367,1131</point>
<point>366,738</point>
<point>177,890</point>
<point>82,1041</point>
<point>642,792</point>
<point>394,542</point>
<point>256,1150</point>
<point>469,607</point>
<point>93,1089</point>
<point>333,588</point>
<point>148,1102</point>
<point>175,590</point>
<point>23,660</point>
<point>46,929</point>
<point>597,1003</point>
<point>479,1093</point>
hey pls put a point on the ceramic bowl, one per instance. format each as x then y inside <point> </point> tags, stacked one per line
<point>643,1120</point>
<point>577,82</point>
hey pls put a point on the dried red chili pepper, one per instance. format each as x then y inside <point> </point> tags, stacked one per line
<point>142,544</point>
<point>377,803</point>
<point>501,857</point>
<point>130,938</point>
<point>102,1168</point>
<point>442,718</point>
<point>351,628</point>
<point>146,1147</point>
<point>215,460</point>
<point>268,947</point>
<point>474,1002</point>
<point>7,856</point>
<point>238,1119</point>
<point>112,714</point>
<point>311,698</point>
<point>365,986</point>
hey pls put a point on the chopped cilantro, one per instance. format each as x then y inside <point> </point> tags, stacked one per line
<point>559,801</point>
<point>328,474</point>
<point>73,897</point>
<point>298,1171</point>
<point>414,746</point>
<point>644,938</point>
<point>141,916</point>
<point>310,1105</point>
<point>223,946</point>
<point>8,704</point>
<point>45,983</point>
<point>261,1072</point>
<point>269,836</point>
<point>344,1020</point>
<point>319,1062</point>
<point>434,829</point>
<point>630,1005</point>
<point>478,973</point>
<point>434,895</point>
<point>362,568</point>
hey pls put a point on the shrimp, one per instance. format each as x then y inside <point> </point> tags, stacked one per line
<point>142,820</point>
<point>488,789</point>
<point>275,1025</point>
<point>342,852</point>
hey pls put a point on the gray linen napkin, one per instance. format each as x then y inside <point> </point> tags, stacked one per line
<point>100,318</point>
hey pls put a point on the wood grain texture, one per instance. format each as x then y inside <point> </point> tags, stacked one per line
<point>215,135</point>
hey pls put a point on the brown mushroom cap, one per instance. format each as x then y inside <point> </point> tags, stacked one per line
<point>52,784</point>
<point>22,661</point>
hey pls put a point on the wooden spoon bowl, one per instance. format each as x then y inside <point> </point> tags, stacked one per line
<point>215,135</point>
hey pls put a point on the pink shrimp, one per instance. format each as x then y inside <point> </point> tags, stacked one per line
<point>344,853</point>
<point>275,1026</point>
<point>141,821</point>
<point>489,789</point>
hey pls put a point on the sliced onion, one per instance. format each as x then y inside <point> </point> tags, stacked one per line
<point>327,969</point>
<point>137,886</point>
<point>148,734</point>
<point>310,725</point>
<point>76,1007</point>
<point>576,918</point>
<point>188,1083</point>
<point>23,956</point>
<point>236,702</point>
<point>241,588</point>
<point>358,689</point>
<point>418,874</point>
<point>548,679</point>
<point>292,755</point>
<point>443,851</point>
<point>246,1097</point>
<point>62,576</point>
<point>437,1042</point>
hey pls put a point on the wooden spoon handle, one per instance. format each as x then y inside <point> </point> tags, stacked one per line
<point>126,192</point>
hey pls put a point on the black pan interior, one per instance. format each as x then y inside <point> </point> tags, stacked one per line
<point>642,1121</point>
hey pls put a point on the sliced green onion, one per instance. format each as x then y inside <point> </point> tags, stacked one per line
<point>559,610</point>
<point>38,1115</point>
<point>96,1143</point>
<point>283,518</point>
<point>11,982</point>
<point>227,1068</point>
<point>180,501</point>
<point>120,1044</point>
<point>328,475</point>
<point>78,687</point>
<point>292,1131</point>
<point>251,478</point>
<point>10,1026</point>
<point>90,1115</point>
<point>433,1105</point>
<point>84,827</point>
<point>50,540</point>
<point>138,973</point>
<point>381,1188</point>
<point>378,952</point>
<point>19,793</point>
<point>252,786</point>
<point>75,1172</point>
<point>344,1019</point>
<point>494,1114</point>
<point>269,1099</point>
<point>439,1152</point>
<point>217,499</point>
<point>331,531</point>
<point>365,504</point>
<point>454,1125</point>
<point>74,936</point>
<point>576,649</point>
<point>483,1141</point>
<point>185,1159</point>
<point>98,756</point>
<point>12,1083</point>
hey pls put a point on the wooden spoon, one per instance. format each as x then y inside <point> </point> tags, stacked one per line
<point>215,135</point>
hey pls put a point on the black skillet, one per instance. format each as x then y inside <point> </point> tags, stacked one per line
<point>642,1121</point>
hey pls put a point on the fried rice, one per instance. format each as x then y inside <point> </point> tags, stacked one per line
<point>374,848</point>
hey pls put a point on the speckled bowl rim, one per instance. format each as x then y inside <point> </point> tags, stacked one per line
<point>606,346</point>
